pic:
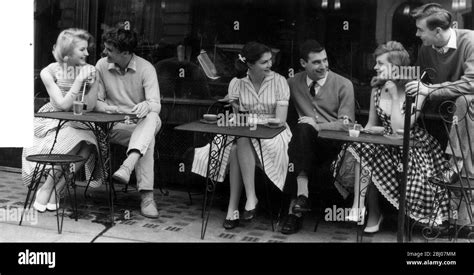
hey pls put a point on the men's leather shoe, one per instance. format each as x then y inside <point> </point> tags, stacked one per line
<point>302,204</point>
<point>292,224</point>
<point>149,209</point>
<point>466,232</point>
<point>122,175</point>
<point>446,177</point>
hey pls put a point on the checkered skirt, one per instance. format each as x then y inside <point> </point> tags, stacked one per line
<point>424,201</point>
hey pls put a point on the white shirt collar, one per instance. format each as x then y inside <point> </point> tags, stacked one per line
<point>320,82</point>
<point>452,42</point>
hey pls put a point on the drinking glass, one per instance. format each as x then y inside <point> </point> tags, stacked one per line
<point>354,131</point>
<point>77,105</point>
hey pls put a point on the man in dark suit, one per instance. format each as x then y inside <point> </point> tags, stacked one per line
<point>323,100</point>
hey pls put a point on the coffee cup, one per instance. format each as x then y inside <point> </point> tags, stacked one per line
<point>210,117</point>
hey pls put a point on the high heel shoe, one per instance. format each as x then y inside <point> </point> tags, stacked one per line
<point>52,206</point>
<point>374,228</point>
<point>38,206</point>
<point>248,215</point>
<point>356,215</point>
<point>232,223</point>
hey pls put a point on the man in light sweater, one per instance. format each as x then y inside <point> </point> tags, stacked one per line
<point>450,52</point>
<point>323,100</point>
<point>128,84</point>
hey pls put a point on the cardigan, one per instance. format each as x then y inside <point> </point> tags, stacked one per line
<point>334,101</point>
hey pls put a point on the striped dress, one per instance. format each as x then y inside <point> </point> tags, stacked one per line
<point>274,89</point>
<point>70,135</point>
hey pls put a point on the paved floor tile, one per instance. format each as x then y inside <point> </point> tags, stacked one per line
<point>178,222</point>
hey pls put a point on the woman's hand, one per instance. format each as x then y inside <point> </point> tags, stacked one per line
<point>86,72</point>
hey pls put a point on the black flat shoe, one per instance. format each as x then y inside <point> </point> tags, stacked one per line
<point>248,215</point>
<point>229,224</point>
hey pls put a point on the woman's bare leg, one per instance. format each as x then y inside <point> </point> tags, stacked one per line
<point>373,205</point>
<point>235,179</point>
<point>246,158</point>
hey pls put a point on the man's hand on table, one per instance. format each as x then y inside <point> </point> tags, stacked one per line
<point>141,109</point>
<point>114,110</point>
<point>309,120</point>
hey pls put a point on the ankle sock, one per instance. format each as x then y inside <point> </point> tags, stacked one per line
<point>302,182</point>
<point>299,215</point>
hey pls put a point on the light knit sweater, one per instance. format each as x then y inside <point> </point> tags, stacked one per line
<point>334,100</point>
<point>454,67</point>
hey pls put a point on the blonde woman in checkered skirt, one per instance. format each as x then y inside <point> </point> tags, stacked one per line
<point>425,201</point>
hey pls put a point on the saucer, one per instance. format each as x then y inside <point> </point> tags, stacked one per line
<point>208,121</point>
<point>272,126</point>
<point>372,133</point>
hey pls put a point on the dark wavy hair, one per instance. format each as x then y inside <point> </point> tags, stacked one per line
<point>435,14</point>
<point>122,39</point>
<point>310,46</point>
<point>251,53</point>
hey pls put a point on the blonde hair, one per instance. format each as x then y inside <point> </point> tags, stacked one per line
<point>397,55</point>
<point>66,42</point>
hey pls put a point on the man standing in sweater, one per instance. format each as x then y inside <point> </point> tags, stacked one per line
<point>323,99</point>
<point>450,52</point>
<point>128,84</point>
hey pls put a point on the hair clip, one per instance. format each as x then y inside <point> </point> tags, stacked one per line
<point>242,58</point>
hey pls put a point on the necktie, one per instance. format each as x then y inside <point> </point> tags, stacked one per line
<point>312,88</point>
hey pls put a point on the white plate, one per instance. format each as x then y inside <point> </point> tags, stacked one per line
<point>372,133</point>
<point>393,136</point>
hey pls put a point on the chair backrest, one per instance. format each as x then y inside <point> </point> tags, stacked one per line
<point>457,116</point>
<point>181,79</point>
<point>458,124</point>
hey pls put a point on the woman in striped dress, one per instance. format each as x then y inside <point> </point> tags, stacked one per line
<point>64,80</point>
<point>425,201</point>
<point>266,93</point>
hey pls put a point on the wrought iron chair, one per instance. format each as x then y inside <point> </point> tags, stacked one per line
<point>217,107</point>
<point>459,186</point>
<point>51,162</point>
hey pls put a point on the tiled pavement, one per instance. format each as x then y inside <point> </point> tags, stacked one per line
<point>179,221</point>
